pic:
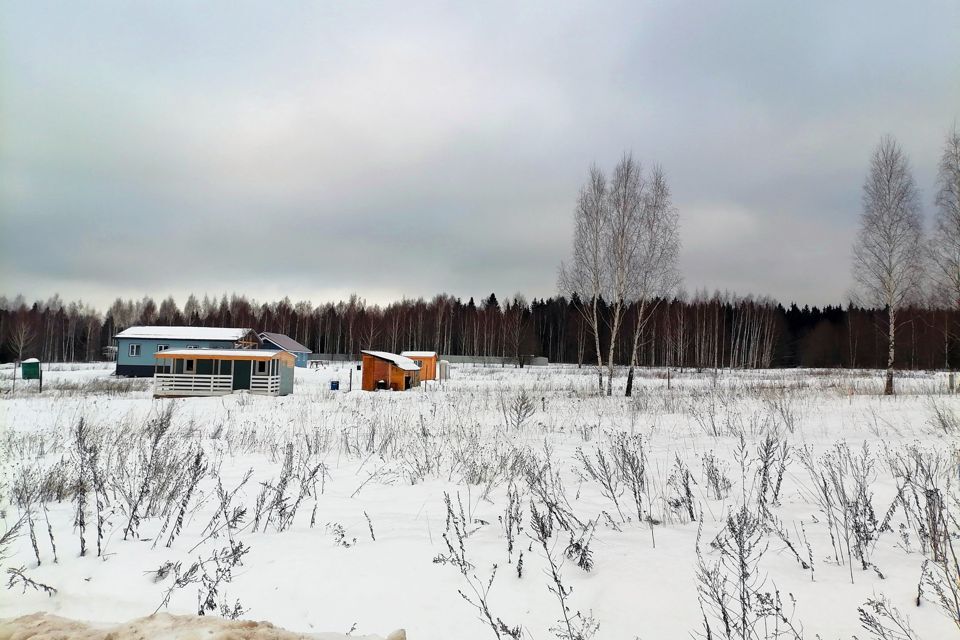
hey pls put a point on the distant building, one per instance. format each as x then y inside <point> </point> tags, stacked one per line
<point>137,346</point>
<point>288,344</point>
<point>218,372</point>
<point>427,361</point>
<point>382,370</point>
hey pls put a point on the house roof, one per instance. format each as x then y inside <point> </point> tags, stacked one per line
<point>224,354</point>
<point>184,333</point>
<point>284,342</point>
<point>398,361</point>
<point>419,354</point>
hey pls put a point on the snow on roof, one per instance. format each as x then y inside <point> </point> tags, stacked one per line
<point>212,354</point>
<point>183,333</point>
<point>284,342</point>
<point>28,360</point>
<point>400,361</point>
<point>419,354</point>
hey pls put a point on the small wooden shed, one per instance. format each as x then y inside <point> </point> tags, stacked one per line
<point>217,372</point>
<point>427,360</point>
<point>383,370</point>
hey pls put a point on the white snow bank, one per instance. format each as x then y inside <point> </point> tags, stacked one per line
<point>160,626</point>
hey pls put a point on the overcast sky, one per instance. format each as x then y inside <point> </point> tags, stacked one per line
<point>404,149</point>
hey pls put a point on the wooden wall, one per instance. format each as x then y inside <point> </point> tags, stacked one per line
<point>374,369</point>
<point>428,368</point>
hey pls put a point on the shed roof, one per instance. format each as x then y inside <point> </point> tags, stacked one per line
<point>183,333</point>
<point>284,342</point>
<point>419,354</point>
<point>398,361</point>
<point>224,354</point>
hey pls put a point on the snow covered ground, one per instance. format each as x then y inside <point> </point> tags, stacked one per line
<point>361,513</point>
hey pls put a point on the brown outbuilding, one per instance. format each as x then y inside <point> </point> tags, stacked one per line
<point>383,370</point>
<point>427,360</point>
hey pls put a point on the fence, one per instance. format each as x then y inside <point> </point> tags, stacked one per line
<point>489,361</point>
<point>173,384</point>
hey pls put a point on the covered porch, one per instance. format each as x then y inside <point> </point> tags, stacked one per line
<point>217,372</point>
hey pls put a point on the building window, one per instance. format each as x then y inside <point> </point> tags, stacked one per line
<point>261,367</point>
<point>192,346</point>
<point>162,347</point>
<point>189,366</point>
<point>134,351</point>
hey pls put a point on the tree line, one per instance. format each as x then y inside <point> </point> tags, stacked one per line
<point>699,331</point>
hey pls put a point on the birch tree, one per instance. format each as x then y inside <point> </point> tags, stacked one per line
<point>654,273</point>
<point>21,337</point>
<point>621,245</point>
<point>946,234</point>
<point>585,274</point>
<point>624,250</point>
<point>887,254</point>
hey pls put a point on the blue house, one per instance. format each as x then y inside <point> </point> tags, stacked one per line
<point>288,344</point>
<point>137,346</point>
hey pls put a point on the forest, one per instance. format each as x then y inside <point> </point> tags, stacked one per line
<point>701,331</point>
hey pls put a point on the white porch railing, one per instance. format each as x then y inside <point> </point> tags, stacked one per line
<point>269,385</point>
<point>178,384</point>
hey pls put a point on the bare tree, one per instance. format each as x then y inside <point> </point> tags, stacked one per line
<point>353,309</point>
<point>168,312</point>
<point>654,273</point>
<point>887,254</point>
<point>585,274</point>
<point>607,240</point>
<point>945,247</point>
<point>621,245</point>
<point>516,321</point>
<point>21,337</point>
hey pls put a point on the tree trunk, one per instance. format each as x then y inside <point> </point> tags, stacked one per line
<point>946,340</point>
<point>891,343</point>
<point>610,364</point>
<point>614,332</point>
<point>596,338</point>
<point>637,330</point>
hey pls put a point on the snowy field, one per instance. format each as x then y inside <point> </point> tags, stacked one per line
<point>506,503</point>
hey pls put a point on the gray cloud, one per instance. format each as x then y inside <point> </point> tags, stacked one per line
<point>245,147</point>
